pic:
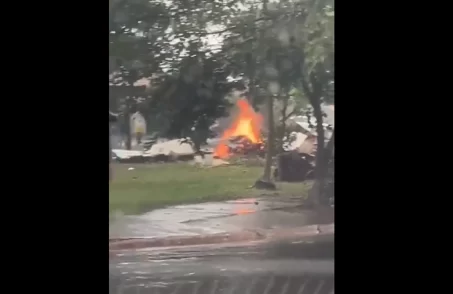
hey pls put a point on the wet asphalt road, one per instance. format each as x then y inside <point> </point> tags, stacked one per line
<point>300,267</point>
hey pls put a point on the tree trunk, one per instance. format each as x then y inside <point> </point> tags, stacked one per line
<point>127,118</point>
<point>317,112</point>
<point>317,195</point>
<point>282,129</point>
<point>270,140</point>
<point>316,192</point>
<point>326,192</point>
<point>327,154</point>
<point>196,145</point>
<point>127,128</point>
<point>314,94</point>
<point>110,154</point>
<point>330,147</point>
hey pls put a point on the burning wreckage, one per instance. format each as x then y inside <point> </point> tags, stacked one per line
<point>243,138</point>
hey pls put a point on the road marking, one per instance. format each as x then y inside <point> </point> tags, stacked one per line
<point>269,286</point>
<point>302,287</point>
<point>252,284</point>
<point>321,283</point>
<point>214,286</point>
<point>286,286</point>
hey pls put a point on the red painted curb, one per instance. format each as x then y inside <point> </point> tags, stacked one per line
<point>221,238</point>
<point>306,231</point>
<point>185,240</point>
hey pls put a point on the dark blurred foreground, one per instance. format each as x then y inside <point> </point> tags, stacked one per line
<point>300,267</point>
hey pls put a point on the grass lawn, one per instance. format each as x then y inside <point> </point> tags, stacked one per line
<point>150,186</point>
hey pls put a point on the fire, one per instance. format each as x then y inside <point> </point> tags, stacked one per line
<point>247,124</point>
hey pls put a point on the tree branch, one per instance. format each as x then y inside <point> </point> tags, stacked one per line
<point>285,118</point>
<point>306,87</point>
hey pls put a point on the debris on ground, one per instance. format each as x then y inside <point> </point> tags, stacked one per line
<point>264,185</point>
<point>219,162</point>
<point>294,167</point>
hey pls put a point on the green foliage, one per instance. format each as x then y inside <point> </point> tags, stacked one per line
<point>136,36</point>
<point>284,49</point>
<point>188,102</point>
<point>150,186</point>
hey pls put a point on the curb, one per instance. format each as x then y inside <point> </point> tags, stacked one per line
<point>119,244</point>
<point>306,231</point>
<point>140,243</point>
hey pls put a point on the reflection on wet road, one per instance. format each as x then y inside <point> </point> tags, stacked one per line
<point>245,284</point>
<point>218,217</point>
<point>298,267</point>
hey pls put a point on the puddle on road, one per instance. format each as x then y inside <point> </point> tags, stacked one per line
<point>193,212</point>
<point>244,211</point>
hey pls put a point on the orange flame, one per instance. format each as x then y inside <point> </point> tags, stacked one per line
<point>247,124</point>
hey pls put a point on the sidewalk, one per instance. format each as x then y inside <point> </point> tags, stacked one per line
<point>248,220</point>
